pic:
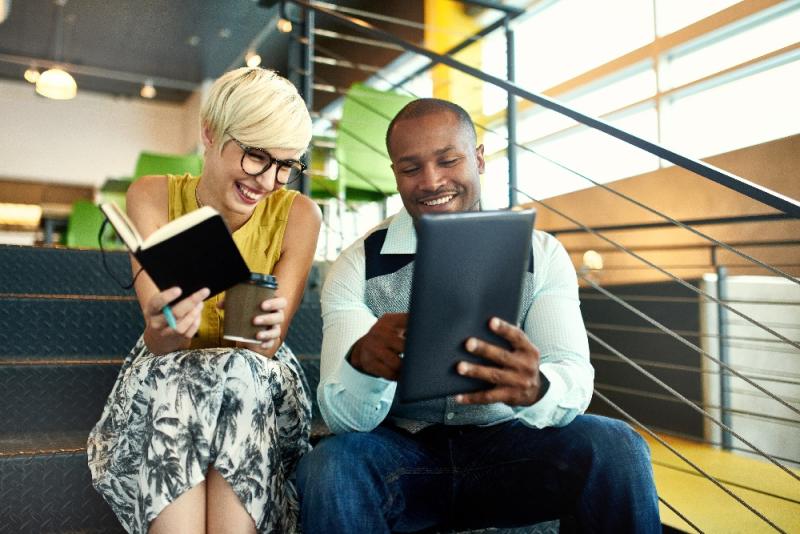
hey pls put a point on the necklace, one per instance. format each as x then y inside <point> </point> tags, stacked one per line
<point>197,196</point>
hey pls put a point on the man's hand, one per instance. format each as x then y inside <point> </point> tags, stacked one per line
<point>377,353</point>
<point>516,380</point>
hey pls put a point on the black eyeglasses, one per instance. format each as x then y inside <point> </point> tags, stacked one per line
<point>256,161</point>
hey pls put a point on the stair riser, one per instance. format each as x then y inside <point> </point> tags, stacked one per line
<point>53,398</point>
<point>51,493</point>
<point>68,328</point>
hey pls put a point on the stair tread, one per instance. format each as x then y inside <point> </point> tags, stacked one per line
<point>47,443</point>
<point>42,443</point>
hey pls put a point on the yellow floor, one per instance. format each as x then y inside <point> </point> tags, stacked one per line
<point>764,486</point>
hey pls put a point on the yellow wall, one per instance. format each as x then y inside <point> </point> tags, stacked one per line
<point>446,25</point>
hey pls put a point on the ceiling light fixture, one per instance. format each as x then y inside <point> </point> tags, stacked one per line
<point>57,83</point>
<point>284,25</point>
<point>31,75</point>
<point>148,91</point>
<point>252,59</point>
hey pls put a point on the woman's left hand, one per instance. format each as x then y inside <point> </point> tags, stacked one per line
<point>270,321</point>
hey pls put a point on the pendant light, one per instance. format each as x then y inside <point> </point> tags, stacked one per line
<point>56,83</point>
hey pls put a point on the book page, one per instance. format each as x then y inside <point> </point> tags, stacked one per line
<point>122,225</point>
<point>178,225</point>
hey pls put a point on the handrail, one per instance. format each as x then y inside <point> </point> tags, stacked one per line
<point>762,194</point>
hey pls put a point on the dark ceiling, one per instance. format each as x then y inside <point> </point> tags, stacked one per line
<point>114,45</point>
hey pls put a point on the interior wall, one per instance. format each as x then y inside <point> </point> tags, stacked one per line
<point>684,196</point>
<point>681,193</point>
<point>88,139</point>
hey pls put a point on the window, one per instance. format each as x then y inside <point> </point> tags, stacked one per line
<point>744,112</point>
<point>732,46</point>
<point>570,37</point>
<point>673,15</point>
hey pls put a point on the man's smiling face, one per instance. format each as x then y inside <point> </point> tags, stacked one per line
<point>436,164</point>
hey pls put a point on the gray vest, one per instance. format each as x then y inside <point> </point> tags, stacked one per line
<point>388,290</point>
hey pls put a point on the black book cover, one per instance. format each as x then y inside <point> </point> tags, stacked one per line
<point>203,255</point>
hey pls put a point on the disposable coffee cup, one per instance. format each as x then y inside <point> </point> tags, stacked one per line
<point>243,303</point>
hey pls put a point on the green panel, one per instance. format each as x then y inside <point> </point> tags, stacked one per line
<point>152,163</point>
<point>83,227</point>
<point>360,148</point>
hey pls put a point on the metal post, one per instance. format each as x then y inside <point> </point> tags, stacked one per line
<point>308,83</point>
<point>724,379</point>
<point>511,116</point>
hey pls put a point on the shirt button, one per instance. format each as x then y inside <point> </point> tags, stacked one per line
<point>450,415</point>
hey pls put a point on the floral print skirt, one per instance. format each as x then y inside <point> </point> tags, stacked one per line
<point>171,417</point>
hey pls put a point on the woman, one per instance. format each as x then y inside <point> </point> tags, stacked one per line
<point>200,434</point>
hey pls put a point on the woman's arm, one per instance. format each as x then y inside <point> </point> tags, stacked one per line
<point>147,206</point>
<point>297,254</point>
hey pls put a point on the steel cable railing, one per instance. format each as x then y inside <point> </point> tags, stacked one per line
<point>719,302</point>
<point>752,190</point>
<point>697,403</point>
<point>677,279</point>
<point>685,333</point>
<point>618,246</point>
<point>691,369</point>
<point>689,403</point>
<point>696,467</point>
<point>666,217</point>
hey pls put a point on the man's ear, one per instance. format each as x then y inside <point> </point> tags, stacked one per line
<point>207,136</point>
<point>481,160</point>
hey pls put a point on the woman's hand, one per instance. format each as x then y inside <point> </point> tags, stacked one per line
<point>270,322</point>
<point>162,338</point>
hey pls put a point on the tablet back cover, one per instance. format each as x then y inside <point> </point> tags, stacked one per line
<point>468,268</point>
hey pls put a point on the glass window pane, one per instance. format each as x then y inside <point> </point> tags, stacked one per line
<point>494,63</point>
<point>604,98</point>
<point>591,153</point>
<point>748,111</point>
<point>773,34</point>
<point>572,36</point>
<point>609,97</point>
<point>673,15</point>
<point>494,188</point>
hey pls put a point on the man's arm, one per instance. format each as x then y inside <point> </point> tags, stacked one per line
<point>546,375</point>
<point>554,323</point>
<point>350,400</point>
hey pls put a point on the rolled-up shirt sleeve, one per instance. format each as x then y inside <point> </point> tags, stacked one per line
<point>350,401</point>
<point>555,326</point>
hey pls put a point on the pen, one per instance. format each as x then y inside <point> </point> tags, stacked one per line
<point>167,311</point>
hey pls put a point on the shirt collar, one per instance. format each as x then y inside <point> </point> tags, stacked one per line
<point>401,238</point>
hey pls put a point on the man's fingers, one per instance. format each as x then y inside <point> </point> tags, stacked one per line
<point>491,352</point>
<point>488,396</point>
<point>514,334</point>
<point>386,366</point>
<point>493,375</point>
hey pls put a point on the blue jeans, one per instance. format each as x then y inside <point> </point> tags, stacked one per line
<point>595,469</point>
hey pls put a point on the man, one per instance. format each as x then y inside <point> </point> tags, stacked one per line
<point>515,454</point>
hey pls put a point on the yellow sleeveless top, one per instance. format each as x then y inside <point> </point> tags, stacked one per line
<point>259,240</point>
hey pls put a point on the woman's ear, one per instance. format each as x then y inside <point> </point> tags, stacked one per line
<point>207,136</point>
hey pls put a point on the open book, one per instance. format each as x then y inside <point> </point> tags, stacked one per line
<point>193,251</point>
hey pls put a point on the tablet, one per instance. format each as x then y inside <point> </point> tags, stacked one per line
<point>468,268</point>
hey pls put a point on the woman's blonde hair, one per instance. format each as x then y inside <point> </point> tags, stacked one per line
<point>258,107</point>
